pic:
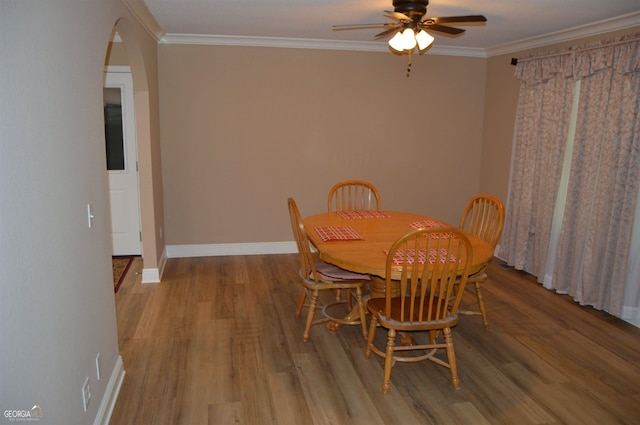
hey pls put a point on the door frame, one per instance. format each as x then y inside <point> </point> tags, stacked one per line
<point>129,129</point>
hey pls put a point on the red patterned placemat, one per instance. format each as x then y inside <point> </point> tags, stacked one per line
<point>337,233</point>
<point>426,224</point>
<point>398,257</point>
<point>363,214</point>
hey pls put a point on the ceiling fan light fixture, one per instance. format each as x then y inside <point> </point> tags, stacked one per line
<point>397,42</point>
<point>409,39</point>
<point>424,39</point>
<point>408,26</point>
<point>406,41</point>
<point>403,40</point>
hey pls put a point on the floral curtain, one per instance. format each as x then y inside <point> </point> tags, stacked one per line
<point>597,221</point>
<point>604,177</point>
<point>541,127</point>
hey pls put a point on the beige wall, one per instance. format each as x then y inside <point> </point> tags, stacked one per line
<point>245,128</point>
<point>117,55</point>
<point>499,117</point>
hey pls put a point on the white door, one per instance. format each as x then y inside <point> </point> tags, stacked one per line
<point>122,163</point>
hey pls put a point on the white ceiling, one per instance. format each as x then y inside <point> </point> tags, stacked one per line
<point>509,22</point>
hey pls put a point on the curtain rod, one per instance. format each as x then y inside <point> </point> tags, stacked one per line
<point>514,61</point>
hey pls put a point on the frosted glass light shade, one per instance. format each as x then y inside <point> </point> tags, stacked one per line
<point>424,39</point>
<point>409,39</point>
<point>396,42</point>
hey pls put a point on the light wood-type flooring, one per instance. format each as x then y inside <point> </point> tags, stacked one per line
<point>217,343</point>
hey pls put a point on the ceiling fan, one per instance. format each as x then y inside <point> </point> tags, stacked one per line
<point>409,26</point>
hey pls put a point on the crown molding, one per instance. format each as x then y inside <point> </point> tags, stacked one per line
<point>143,15</point>
<point>293,43</point>
<point>629,20</point>
<point>473,52</point>
<point>303,43</point>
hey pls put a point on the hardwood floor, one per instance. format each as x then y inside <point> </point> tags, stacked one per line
<point>217,343</point>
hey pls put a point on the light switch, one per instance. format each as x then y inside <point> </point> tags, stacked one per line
<point>89,216</point>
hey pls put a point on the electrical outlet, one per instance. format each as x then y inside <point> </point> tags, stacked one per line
<point>86,394</point>
<point>98,367</point>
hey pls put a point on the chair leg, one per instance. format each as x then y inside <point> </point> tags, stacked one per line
<point>362,311</point>
<point>432,336</point>
<point>388,361</point>
<point>310,315</point>
<point>451,358</point>
<point>371,335</point>
<point>303,298</point>
<point>483,310</point>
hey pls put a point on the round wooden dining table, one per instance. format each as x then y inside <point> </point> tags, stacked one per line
<point>357,240</point>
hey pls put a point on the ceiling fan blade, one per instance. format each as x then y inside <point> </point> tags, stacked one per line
<point>360,26</point>
<point>459,19</point>
<point>396,16</point>
<point>444,29</point>
<point>390,31</point>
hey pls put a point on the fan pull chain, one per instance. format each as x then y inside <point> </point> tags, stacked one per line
<point>409,66</point>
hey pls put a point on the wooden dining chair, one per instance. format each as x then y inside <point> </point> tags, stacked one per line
<point>316,276</point>
<point>354,195</point>
<point>483,218</point>
<point>428,262</point>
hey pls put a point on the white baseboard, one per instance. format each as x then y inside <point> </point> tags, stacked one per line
<point>111,394</point>
<point>162,263</point>
<point>155,275</point>
<point>150,275</point>
<point>214,250</point>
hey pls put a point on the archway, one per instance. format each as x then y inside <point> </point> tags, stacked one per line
<point>148,186</point>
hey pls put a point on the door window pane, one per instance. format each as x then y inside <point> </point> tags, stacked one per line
<point>113,129</point>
